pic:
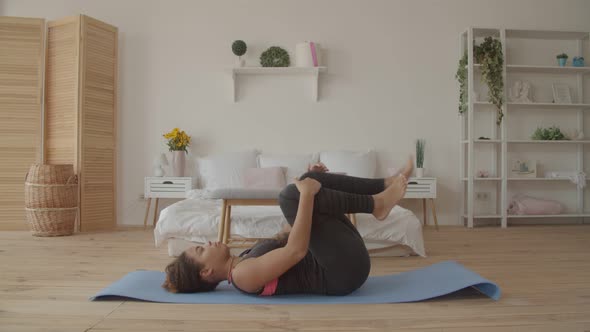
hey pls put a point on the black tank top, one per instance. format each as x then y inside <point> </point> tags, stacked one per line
<point>307,276</point>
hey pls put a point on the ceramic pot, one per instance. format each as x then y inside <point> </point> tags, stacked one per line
<point>419,172</point>
<point>240,62</point>
<point>178,162</point>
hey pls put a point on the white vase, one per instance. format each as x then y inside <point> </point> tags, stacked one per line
<point>178,162</point>
<point>240,62</point>
<point>158,171</point>
<point>419,172</point>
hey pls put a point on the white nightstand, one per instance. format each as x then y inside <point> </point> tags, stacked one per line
<point>164,187</point>
<point>425,189</point>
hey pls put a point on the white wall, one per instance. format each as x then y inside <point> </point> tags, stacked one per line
<point>390,81</point>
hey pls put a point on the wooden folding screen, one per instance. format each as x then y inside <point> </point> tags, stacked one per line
<point>21,84</point>
<point>80,112</point>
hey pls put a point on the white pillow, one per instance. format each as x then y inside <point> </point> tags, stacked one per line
<point>361,163</point>
<point>225,170</point>
<point>295,164</point>
<point>265,178</point>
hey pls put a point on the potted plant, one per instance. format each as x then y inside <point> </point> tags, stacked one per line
<point>177,143</point>
<point>552,133</point>
<point>578,61</point>
<point>562,59</point>
<point>239,48</point>
<point>420,144</point>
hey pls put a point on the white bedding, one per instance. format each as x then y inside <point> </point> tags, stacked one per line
<point>197,220</point>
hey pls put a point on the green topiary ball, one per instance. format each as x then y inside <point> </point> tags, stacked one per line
<point>275,57</point>
<point>239,47</point>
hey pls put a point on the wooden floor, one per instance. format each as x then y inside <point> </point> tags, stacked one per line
<point>544,273</point>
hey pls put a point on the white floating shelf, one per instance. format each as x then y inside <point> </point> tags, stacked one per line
<point>277,70</point>
<point>313,71</point>
<point>484,179</point>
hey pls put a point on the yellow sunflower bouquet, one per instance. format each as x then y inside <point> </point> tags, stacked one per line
<point>178,140</point>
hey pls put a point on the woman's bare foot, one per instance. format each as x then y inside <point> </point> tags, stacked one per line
<point>406,171</point>
<point>409,168</point>
<point>387,199</point>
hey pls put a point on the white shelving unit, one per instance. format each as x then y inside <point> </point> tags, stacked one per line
<point>314,72</point>
<point>501,141</point>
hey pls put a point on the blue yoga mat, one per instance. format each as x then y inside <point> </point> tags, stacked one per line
<point>422,284</point>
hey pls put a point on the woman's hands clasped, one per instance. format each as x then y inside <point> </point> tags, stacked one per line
<point>318,167</point>
<point>308,186</point>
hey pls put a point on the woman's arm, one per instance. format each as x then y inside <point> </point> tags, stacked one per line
<point>253,274</point>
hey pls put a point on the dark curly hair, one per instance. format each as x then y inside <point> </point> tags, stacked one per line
<point>183,276</point>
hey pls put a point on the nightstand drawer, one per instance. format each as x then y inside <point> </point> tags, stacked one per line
<point>421,188</point>
<point>167,187</point>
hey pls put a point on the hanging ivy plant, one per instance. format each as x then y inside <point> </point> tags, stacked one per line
<point>461,76</point>
<point>489,55</point>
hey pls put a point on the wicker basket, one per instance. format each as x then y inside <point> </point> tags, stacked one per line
<point>51,199</point>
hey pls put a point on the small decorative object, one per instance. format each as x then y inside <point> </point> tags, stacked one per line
<point>420,144</point>
<point>307,54</point>
<point>578,61</point>
<point>158,163</point>
<point>239,48</point>
<point>520,92</point>
<point>552,133</point>
<point>489,55</point>
<point>524,169</point>
<point>561,94</point>
<point>526,205</point>
<point>178,141</point>
<point>577,178</point>
<point>562,59</point>
<point>483,138</point>
<point>275,57</point>
<point>483,174</point>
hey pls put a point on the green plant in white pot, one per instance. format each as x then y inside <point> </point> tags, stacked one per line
<point>239,48</point>
<point>420,144</point>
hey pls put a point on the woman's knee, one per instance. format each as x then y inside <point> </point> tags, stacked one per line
<point>289,202</point>
<point>290,192</point>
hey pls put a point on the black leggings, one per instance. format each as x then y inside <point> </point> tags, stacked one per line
<point>335,242</point>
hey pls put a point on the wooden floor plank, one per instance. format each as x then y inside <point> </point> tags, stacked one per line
<point>544,273</point>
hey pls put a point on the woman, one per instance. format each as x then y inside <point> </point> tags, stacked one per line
<point>322,254</point>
